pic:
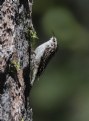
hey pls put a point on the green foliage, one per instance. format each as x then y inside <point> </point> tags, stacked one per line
<point>22,119</point>
<point>16,64</point>
<point>33,34</point>
<point>32,37</point>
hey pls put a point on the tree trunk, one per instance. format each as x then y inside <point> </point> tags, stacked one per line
<point>20,65</point>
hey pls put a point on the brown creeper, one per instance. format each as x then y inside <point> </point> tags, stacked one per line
<point>41,57</point>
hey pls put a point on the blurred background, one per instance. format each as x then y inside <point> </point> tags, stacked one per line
<point>62,92</point>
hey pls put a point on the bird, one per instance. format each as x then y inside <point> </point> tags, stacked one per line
<point>41,57</point>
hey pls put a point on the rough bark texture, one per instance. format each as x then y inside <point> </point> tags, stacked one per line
<point>19,66</point>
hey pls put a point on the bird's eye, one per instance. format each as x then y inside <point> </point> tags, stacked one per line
<point>54,40</point>
<point>52,44</point>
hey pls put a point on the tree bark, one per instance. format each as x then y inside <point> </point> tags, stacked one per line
<point>20,65</point>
